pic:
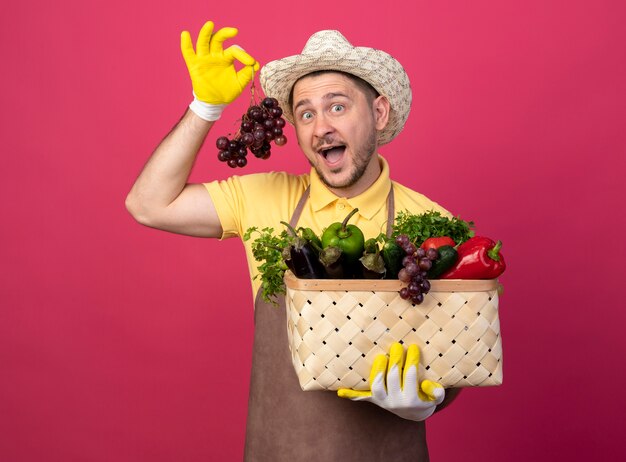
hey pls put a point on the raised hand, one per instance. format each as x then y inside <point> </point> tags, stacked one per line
<point>215,80</point>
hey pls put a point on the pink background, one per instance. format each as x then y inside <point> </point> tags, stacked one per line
<point>121,343</point>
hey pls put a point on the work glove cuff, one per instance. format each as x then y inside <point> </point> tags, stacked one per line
<point>206,111</point>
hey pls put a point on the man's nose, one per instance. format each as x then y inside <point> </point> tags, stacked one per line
<point>323,126</point>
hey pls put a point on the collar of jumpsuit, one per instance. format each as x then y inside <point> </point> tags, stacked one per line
<point>369,202</point>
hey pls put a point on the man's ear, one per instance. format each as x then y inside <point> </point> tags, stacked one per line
<point>381,109</point>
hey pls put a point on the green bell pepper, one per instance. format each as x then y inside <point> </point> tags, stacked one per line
<point>349,238</point>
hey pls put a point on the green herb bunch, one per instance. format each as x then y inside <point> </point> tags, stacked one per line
<point>431,224</point>
<point>267,248</point>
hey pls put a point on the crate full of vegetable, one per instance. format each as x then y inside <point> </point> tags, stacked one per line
<point>431,282</point>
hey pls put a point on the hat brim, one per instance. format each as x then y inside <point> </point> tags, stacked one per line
<point>374,66</point>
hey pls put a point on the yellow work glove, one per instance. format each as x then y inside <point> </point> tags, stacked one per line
<point>216,82</point>
<point>401,393</point>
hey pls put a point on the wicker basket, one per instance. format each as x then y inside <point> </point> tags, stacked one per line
<point>337,327</point>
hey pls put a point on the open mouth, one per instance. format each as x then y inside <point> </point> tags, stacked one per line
<point>332,154</point>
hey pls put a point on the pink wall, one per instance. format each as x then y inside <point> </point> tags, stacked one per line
<point>113,337</point>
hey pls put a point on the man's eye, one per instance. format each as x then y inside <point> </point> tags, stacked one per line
<point>337,107</point>
<point>306,116</point>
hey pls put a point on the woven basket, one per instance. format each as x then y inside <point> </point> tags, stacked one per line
<point>337,327</point>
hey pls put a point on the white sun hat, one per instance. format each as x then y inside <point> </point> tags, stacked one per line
<point>329,50</point>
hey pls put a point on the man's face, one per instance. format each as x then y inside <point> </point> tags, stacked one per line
<point>336,128</point>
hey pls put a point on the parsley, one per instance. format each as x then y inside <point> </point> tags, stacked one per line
<point>431,224</point>
<point>267,248</point>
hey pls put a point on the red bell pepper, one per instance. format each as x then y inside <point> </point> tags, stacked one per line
<point>479,258</point>
<point>436,242</point>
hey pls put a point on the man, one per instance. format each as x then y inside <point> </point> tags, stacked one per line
<point>344,102</point>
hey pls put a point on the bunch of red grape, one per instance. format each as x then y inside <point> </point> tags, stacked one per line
<point>416,264</point>
<point>260,125</point>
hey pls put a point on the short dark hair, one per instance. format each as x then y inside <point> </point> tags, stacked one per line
<point>370,92</point>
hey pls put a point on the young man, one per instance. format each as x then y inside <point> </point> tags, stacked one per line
<point>344,102</point>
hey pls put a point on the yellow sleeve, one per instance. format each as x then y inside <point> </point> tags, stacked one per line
<point>260,199</point>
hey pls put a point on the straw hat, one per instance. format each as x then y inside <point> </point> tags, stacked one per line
<point>329,50</point>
